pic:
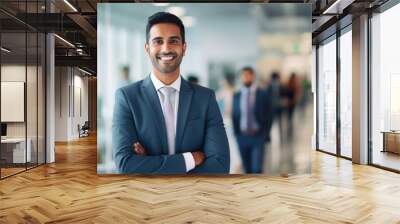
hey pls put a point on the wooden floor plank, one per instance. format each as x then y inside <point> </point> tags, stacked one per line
<point>70,191</point>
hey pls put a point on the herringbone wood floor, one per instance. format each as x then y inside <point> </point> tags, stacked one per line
<point>70,191</point>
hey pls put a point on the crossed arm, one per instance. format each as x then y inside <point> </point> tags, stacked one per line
<point>198,156</point>
<point>132,158</point>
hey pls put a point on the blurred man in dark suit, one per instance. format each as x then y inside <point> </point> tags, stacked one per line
<point>251,118</point>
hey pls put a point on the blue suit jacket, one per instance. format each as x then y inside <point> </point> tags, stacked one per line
<point>138,117</point>
<point>263,113</point>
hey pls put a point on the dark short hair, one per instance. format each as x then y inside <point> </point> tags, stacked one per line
<point>164,17</point>
<point>275,75</point>
<point>230,78</point>
<point>192,79</point>
<point>249,69</point>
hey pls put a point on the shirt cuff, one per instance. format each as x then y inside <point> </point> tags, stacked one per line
<point>189,161</point>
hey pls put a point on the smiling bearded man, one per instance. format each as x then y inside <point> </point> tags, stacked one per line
<point>164,124</point>
<point>166,59</point>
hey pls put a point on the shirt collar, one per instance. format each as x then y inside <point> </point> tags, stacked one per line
<point>158,84</point>
<point>252,88</point>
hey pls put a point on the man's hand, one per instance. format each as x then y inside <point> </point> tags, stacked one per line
<point>138,149</point>
<point>199,157</point>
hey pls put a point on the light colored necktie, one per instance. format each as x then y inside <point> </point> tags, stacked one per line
<point>250,112</point>
<point>169,116</point>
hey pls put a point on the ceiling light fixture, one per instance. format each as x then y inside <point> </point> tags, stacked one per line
<point>188,21</point>
<point>337,7</point>
<point>5,50</point>
<point>64,40</point>
<point>70,5</point>
<point>176,10</point>
<point>84,71</point>
<point>161,4</point>
<point>329,9</point>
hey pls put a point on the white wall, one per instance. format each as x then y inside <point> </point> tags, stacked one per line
<point>61,103</point>
<point>80,83</point>
<point>67,115</point>
<point>208,44</point>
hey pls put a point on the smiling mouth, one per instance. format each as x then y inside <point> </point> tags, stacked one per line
<point>166,58</point>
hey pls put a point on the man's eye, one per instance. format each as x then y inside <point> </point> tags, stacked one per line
<point>173,41</point>
<point>158,41</point>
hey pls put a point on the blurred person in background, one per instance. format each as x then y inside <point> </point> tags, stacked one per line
<point>293,91</point>
<point>251,117</point>
<point>275,91</point>
<point>124,78</point>
<point>224,98</point>
<point>225,95</point>
<point>193,79</point>
<point>305,93</point>
<point>164,124</point>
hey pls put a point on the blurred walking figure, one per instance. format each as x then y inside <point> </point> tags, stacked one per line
<point>124,76</point>
<point>251,116</point>
<point>275,91</point>
<point>305,94</point>
<point>225,96</point>
<point>292,94</point>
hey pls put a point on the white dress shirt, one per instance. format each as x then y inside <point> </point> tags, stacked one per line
<point>243,106</point>
<point>189,160</point>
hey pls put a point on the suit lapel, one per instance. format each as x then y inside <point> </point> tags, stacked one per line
<point>256,99</point>
<point>156,111</point>
<point>185,99</point>
<point>258,103</point>
<point>238,104</point>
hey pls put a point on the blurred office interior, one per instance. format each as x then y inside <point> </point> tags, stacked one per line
<point>221,39</point>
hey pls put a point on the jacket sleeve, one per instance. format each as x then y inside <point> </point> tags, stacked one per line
<point>124,134</point>
<point>235,116</point>
<point>216,147</point>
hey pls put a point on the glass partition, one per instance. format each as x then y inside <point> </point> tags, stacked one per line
<point>14,154</point>
<point>327,96</point>
<point>31,99</point>
<point>22,78</point>
<point>346,93</point>
<point>41,91</point>
<point>385,89</point>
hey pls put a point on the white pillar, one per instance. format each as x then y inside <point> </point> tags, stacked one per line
<point>50,92</point>
<point>360,90</point>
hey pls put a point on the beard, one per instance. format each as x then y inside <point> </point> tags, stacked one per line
<point>167,67</point>
<point>247,84</point>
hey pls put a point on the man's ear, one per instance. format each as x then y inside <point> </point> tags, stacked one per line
<point>146,48</point>
<point>184,49</point>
